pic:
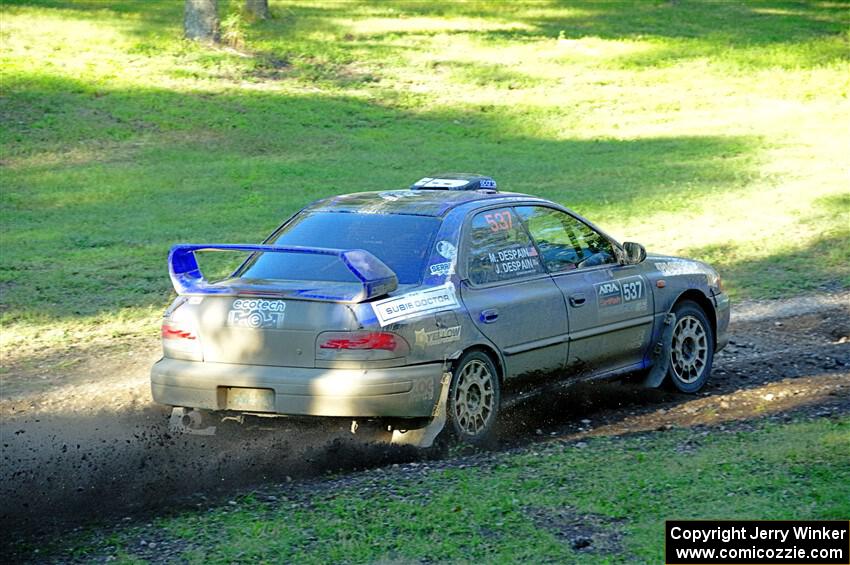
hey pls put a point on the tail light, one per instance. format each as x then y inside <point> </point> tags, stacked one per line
<point>360,345</point>
<point>180,339</point>
<point>172,331</point>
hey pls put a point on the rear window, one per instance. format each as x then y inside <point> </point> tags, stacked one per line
<point>402,242</point>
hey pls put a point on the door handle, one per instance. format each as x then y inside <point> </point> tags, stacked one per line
<point>489,316</point>
<point>577,300</point>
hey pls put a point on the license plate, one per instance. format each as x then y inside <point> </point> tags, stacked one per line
<point>251,399</point>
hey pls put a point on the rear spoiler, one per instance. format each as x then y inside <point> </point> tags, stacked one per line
<point>376,279</point>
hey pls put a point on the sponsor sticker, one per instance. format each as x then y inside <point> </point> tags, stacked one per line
<point>446,249</point>
<point>628,294</point>
<point>681,267</point>
<point>431,181</point>
<point>446,268</point>
<point>410,305</point>
<point>425,338</point>
<point>393,195</point>
<point>256,313</point>
<point>609,294</point>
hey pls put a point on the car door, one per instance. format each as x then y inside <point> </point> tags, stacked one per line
<point>509,295</point>
<point>609,305</point>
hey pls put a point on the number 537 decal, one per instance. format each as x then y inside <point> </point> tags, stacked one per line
<point>499,221</point>
<point>632,289</point>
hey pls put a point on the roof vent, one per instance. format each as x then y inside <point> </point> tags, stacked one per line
<point>455,181</point>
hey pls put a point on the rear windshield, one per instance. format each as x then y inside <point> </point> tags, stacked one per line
<point>401,241</point>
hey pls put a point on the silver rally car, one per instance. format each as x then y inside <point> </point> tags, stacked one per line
<point>423,308</point>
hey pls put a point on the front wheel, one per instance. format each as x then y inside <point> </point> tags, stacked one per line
<point>473,403</point>
<point>692,348</point>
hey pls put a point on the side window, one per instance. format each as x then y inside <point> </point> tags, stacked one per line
<point>564,242</point>
<point>498,248</point>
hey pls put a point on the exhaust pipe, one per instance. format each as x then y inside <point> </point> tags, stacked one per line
<point>188,421</point>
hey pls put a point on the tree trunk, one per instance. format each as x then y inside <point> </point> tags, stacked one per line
<point>258,8</point>
<point>200,20</point>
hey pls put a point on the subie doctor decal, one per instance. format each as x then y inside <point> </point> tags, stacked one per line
<point>436,299</point>
<point>425,338</point>
<point>256,314</point>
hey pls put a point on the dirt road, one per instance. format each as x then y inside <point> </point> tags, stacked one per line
<point>81,440</point>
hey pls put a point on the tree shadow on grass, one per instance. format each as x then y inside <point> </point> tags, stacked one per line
<point>738,24</point>
<point>91,235</point>
<point>143,17</point>
<point>821,265</point>
<point>320,38</point>
<point>766,34</point>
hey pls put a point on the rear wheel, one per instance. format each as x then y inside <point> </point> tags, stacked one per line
<point>692,349</point>
<point>474,396</point>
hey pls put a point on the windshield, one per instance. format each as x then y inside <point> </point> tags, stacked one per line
<point>401,241</point>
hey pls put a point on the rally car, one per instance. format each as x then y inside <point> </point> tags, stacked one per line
<point>419,307</point>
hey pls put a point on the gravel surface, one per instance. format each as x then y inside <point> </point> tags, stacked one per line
<point>87,444</point>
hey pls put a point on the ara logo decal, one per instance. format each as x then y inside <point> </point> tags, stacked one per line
<point>609,294</point>
<point>425,338</point>
<point>256,314</point>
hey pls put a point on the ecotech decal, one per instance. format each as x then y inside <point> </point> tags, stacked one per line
<point>256,314</point>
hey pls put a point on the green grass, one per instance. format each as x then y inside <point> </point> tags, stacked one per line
<point>521,506</point>
<point>711,129</point>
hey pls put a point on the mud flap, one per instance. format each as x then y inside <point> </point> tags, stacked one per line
<point>186,421</point>
<point>661,354</point>
<point>424,437</point>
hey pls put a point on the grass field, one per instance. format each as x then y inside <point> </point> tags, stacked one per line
<point>534,505</point>
<point>713,129</point>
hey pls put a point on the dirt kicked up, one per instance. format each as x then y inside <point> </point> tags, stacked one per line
<point>87,444</point>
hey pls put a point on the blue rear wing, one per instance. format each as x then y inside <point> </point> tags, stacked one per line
<point>375,278</point>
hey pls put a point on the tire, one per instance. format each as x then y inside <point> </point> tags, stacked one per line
<point>474,396</point>
<point>692,349</point>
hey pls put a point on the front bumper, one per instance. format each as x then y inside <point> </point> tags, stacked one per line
<point>722,311</point>
<point>403,392</point>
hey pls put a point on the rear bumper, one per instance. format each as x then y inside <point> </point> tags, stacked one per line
<point>722,310</point>
<point>404,392</point>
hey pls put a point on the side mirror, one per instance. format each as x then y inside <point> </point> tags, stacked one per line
<point>635,253</point>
